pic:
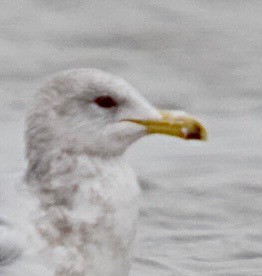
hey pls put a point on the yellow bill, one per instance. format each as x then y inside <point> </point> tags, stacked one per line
<point>182,126</point>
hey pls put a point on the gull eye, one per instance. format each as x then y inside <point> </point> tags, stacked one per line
<point>105,101</point>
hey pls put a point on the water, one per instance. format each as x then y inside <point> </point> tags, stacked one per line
<point>201,212</point>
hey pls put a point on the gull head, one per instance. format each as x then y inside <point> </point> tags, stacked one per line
<point>91,111</point>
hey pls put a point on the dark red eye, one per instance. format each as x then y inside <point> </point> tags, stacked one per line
<point>105,101</point>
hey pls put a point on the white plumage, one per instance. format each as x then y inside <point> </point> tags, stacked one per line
<point>75,212</point>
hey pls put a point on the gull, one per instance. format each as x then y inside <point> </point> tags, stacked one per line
<point>74,212</point>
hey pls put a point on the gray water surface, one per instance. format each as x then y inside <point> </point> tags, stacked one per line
<point>201,212</point>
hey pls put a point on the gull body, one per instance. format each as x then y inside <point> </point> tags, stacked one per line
<point>82,224</point>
